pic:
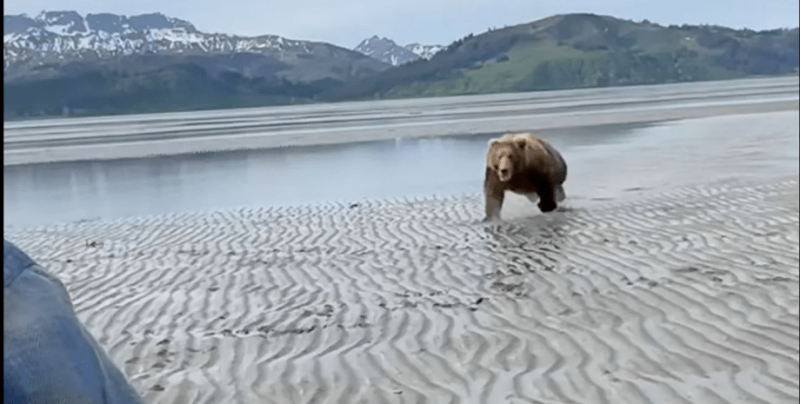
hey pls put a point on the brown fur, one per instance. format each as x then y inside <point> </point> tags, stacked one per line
<point>526,165</point>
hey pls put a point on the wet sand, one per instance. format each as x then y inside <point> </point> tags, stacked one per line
<point>681,297</point>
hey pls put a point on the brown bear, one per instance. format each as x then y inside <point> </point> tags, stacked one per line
<point>525,165</point>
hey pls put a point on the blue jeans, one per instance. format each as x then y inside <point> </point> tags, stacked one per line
<point>48,355</point>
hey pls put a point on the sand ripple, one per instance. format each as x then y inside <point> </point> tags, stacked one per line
<point>684,297</point>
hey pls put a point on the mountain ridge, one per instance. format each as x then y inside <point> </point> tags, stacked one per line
<point>388,51</point>
<point>62,37</point>
<point>154,63</point>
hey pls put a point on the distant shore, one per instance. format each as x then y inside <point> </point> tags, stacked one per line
<point>210,131</point>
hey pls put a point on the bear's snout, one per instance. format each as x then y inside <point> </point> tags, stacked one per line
<point>504,174</point>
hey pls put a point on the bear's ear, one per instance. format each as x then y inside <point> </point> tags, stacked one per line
<point>520,141</point>
<point>493,141</point>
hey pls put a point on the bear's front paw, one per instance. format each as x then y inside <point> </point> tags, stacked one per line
<point>547,207</point>
<point>488,219</point>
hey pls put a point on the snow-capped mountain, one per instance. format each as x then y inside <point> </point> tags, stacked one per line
<point>424,51</point>
<point>387,51</point>
<point>64,36</point>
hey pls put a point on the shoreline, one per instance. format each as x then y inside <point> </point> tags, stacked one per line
<point>300,139</point>
<point>25,144</point>
<point>389,104</point>
<point>515,208</point>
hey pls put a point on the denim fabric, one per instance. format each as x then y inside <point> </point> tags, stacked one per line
<point>48,355</point>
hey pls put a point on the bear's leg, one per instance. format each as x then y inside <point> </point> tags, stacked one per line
<point>495,193</point>
<point>494,202</point>
<point>547,198</point>
<point>493,205</point>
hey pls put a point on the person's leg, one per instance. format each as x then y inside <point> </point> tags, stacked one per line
<point>48,355</point>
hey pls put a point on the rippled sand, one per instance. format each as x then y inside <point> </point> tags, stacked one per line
<point>689,296</point>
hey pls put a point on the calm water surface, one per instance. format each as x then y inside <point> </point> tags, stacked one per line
<point>604,162</point>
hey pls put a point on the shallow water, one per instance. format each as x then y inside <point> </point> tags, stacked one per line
<point>604,163</point>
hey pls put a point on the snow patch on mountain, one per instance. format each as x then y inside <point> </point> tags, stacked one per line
<point>58,36</point>
<point>388,51</point>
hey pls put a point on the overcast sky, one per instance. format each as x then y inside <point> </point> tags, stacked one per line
<point>347,22</point>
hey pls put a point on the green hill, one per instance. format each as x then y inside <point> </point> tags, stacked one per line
<point>583,50</point>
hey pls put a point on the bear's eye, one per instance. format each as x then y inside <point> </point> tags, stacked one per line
<point>496,167</point>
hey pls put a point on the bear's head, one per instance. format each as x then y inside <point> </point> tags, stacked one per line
<point>505,154</point>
